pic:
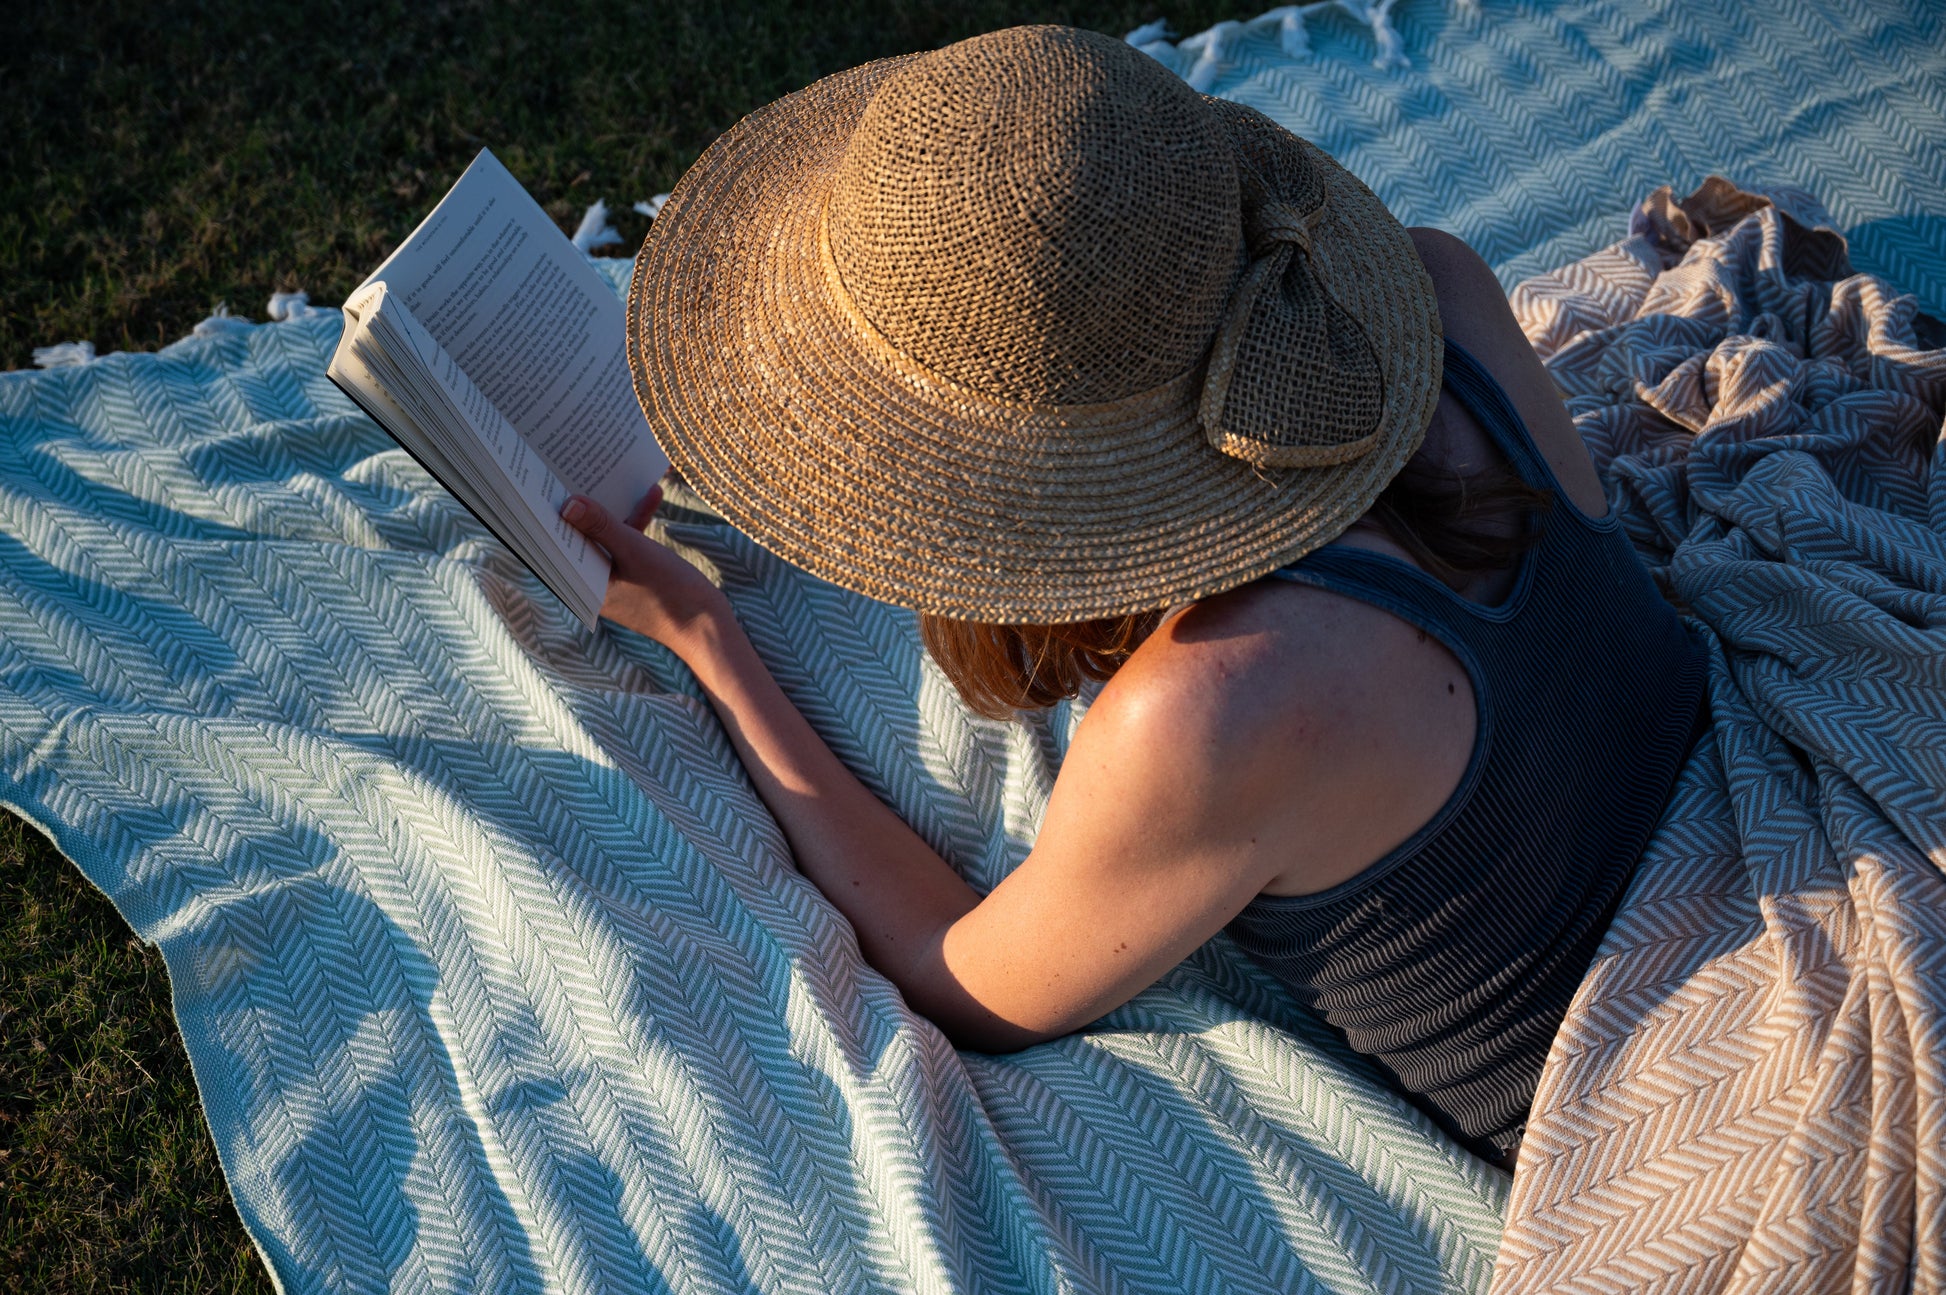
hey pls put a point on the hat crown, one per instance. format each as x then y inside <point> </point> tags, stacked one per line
<point>1042,215</point>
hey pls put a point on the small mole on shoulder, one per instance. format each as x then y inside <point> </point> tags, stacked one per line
<point>1449,686</point>
<point>1422,635</point>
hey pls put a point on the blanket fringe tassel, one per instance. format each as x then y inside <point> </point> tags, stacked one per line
<point>1213,49</point>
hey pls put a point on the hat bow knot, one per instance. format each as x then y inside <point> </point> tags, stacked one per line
<point>1292,379</point>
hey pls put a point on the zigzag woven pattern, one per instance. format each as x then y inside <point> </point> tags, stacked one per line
<point>1530,128</point>
<point>494,973</point>
<point>493,970</point>
<point>1749,1091</point>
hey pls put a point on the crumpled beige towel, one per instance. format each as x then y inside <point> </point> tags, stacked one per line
<point>1749,1093</point>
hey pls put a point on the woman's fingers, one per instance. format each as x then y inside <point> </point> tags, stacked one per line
<point>639,516</point>
<point>629,549</point>
<point>635,556</point>
<point>585,515</point>
<point>651,590</point>
<point>594,521</point>
<point>599,525</point>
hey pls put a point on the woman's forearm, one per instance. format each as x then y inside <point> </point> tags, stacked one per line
<point>896,891</point>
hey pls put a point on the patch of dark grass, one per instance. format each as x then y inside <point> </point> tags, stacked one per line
<point>108,1179</point>
<point>157,159</point>
<point>164,158</point>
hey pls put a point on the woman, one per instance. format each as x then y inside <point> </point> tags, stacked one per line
<point>1109,380</point>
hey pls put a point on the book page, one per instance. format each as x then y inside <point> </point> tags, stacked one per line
<point>405,379</point>
<point>511,300</point>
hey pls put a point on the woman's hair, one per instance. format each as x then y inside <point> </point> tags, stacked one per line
<point>1454,525</point>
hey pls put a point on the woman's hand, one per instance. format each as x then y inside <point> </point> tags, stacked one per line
<point>650,589</point>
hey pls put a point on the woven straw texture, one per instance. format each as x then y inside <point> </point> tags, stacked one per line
<point>972,410</point>
<point>1294,379</point>
<point>1087,162</point>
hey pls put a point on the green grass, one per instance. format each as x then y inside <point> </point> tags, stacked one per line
<point>108,1180</point>
<point>164,158</point>
<point>159,159</point>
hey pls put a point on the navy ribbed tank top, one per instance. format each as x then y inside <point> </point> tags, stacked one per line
<point>1450,962</point>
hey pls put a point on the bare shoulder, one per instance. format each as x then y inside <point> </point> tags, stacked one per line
<point>1222,671</point>
<point>1473,311</point>
<point>1294,722</point>
<point>1204,743</point>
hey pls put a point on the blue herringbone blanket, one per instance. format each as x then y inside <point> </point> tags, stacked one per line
<point>494,972</point>
<point>1748,1093</point>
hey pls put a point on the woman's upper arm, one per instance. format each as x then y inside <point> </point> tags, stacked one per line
<point>1473,311</point>
<point>1154,838</point>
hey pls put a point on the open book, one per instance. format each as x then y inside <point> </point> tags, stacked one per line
<point>497,357</point>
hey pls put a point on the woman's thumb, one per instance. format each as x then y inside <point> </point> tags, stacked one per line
<point>588,517</point>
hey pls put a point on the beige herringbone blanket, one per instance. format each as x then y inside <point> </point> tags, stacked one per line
<point>1749,1093</point>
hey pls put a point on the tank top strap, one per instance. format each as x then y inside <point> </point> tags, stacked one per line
<point>1482,396</point>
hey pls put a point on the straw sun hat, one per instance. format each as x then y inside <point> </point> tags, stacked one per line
<point>1026,330</point>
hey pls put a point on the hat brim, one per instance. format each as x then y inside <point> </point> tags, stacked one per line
<point>777,406</point>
